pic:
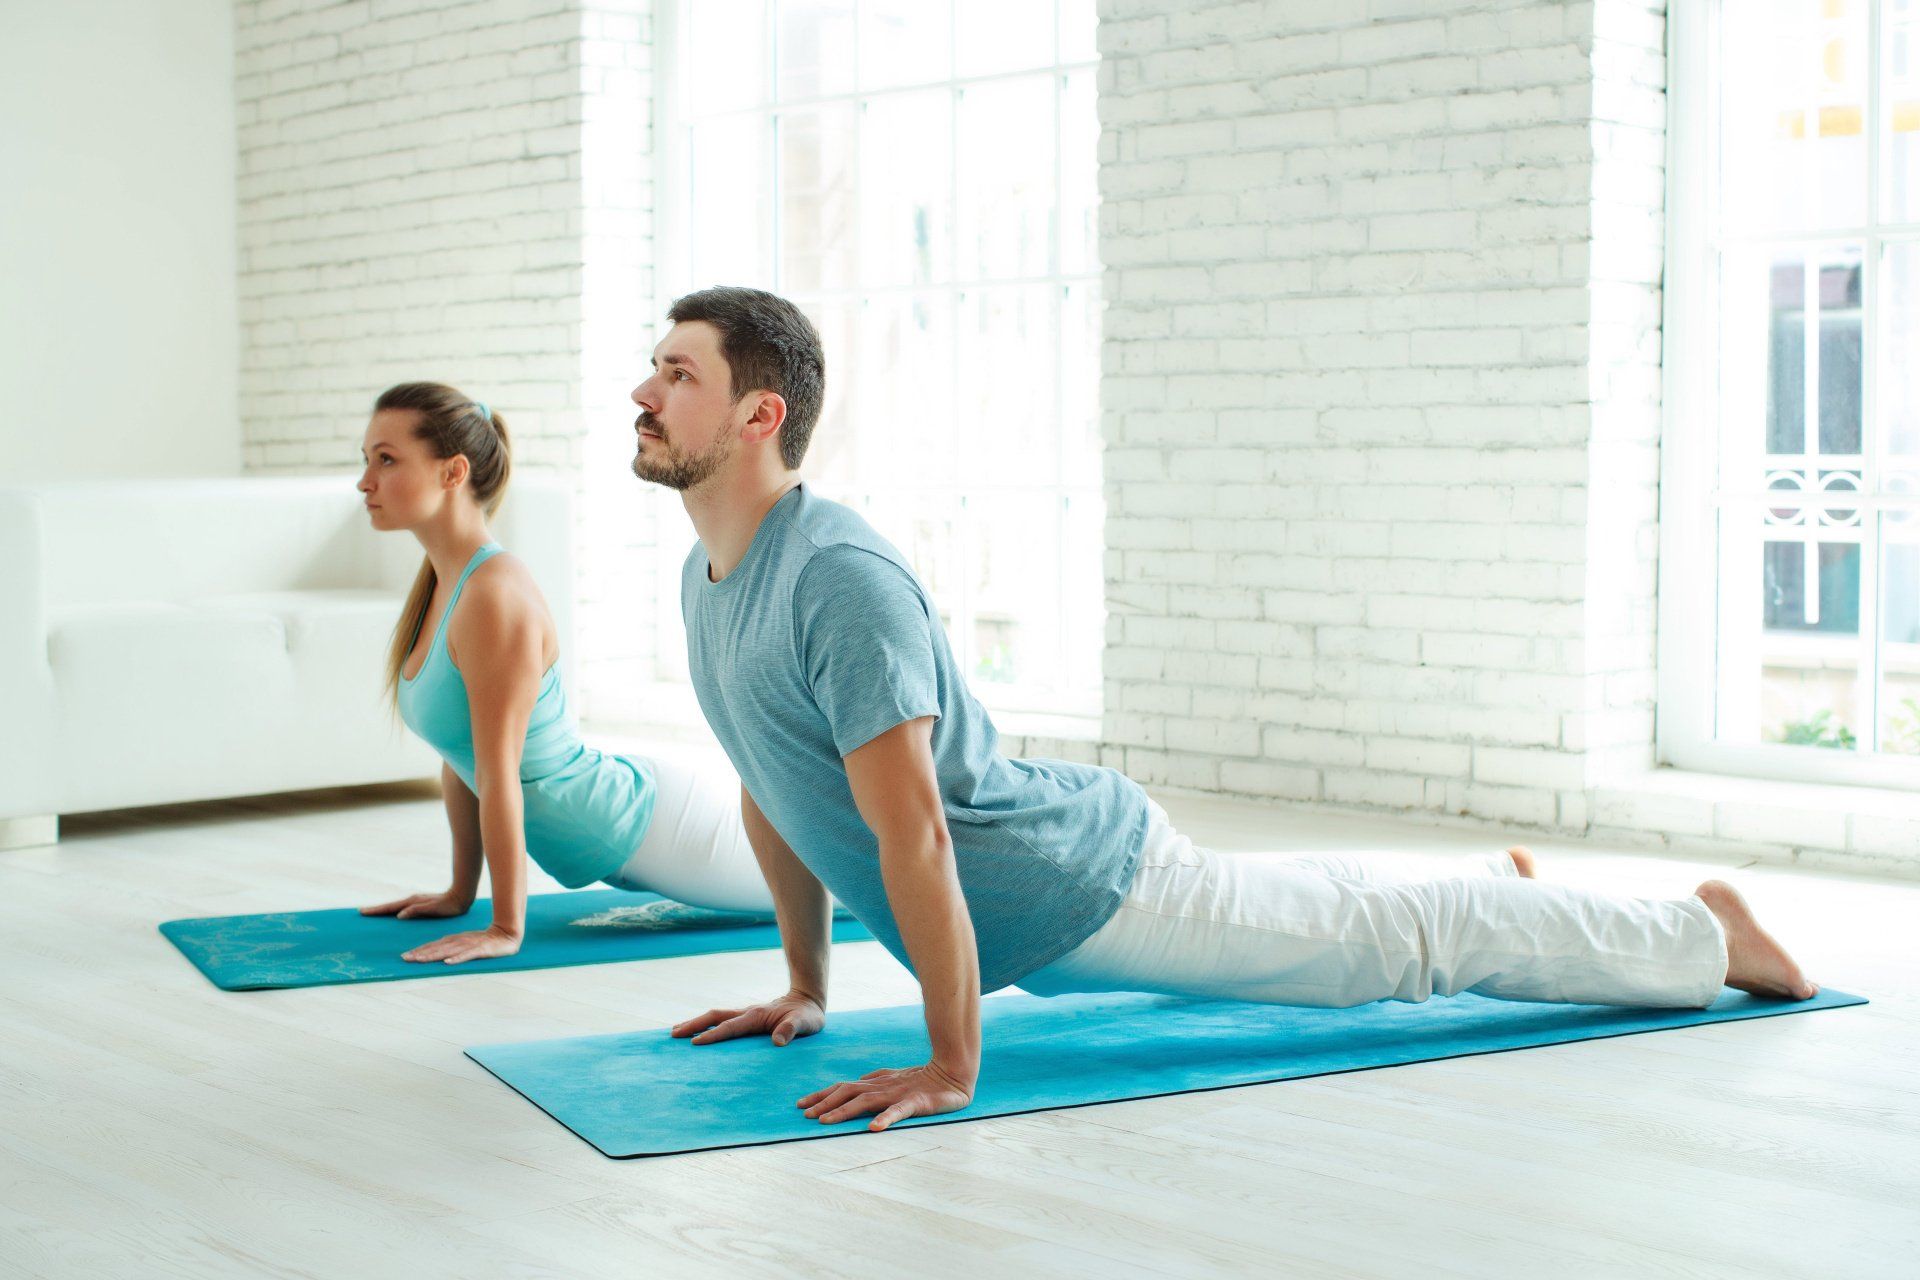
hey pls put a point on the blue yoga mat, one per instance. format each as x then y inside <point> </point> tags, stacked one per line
<point>598,926</point>
<point>642,1093</point>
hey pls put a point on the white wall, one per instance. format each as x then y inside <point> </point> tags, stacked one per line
<point>118,340</point>
<point>1381,398</point>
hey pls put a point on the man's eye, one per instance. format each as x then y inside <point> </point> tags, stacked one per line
<point>681,373</point>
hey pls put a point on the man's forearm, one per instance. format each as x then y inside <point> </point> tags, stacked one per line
<point>801,904</point>
<point>924,892</point>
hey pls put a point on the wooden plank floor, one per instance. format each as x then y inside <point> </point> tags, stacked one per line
<point>151,1125</point>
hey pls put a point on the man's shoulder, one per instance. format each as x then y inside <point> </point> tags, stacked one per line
<point>839,533</point>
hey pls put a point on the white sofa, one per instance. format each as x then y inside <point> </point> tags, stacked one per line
<point>165,641</point>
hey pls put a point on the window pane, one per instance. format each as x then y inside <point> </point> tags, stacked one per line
<point>1078,23</point>
<point>1793,104</point>
<point>1809,651</point>
<point>1831,285</point>
<point>1079,175</point>
<point>1080,440</point>
<point>1083,592</point>
<point>1013,584</point>
<point>1899,368</point>
<point>905,392</point>
<point>1006,431</point>
<point>1900,108</point>
<point>729,54</point>
<point>996,36</point>
<point>817,209</point>
<point>1787,356</point>
<point>905,42</point>
<point>926,529</point>
<point>836,437</point>
<point>1006,167</point>
<point>1900,631</point>
<point>906,212</point>
<point>815,49</point>
<point>732,174</point>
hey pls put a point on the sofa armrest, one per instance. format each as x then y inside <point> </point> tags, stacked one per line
<point>26,680</point>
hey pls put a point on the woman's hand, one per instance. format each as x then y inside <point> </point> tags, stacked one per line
<point>784,1020</point>
<point>917,1091</point>
<point>458,948</point>
<point>423,905</point>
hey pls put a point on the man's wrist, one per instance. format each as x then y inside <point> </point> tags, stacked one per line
<point>959,1075</point>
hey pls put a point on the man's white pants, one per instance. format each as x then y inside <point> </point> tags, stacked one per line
<point>1335,931</point>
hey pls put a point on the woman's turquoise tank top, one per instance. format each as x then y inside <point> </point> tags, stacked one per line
<point>586,811</point>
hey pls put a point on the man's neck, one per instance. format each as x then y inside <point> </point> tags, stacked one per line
<point>727,511</point>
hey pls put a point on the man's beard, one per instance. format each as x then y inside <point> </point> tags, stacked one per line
<point>678,470</point>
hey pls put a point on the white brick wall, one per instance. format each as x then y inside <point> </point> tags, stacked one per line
<point>1381,398</point>
<point>454,190</point>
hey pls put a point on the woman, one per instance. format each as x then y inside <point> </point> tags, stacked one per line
<point>474,670</point>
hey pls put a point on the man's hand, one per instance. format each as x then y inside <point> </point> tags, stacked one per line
<point>784,1020</point>
<point>417,905</point>
<point>916,1091</point>
<point>458,948</point>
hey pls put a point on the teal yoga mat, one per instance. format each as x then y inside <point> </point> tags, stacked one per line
<point>593,926</point>
<point>642,1093</point>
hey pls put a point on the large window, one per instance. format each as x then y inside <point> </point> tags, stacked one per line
<point>1791,551</point>
<point>919,177</point>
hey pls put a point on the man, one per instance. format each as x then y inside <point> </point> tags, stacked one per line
<point>870,774</point>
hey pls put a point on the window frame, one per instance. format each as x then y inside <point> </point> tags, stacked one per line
<point>1690,648</point>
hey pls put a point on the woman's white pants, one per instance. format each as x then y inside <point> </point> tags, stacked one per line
<point>1335,931</point>
<point>696,850</point>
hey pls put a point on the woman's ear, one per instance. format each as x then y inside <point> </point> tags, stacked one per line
<point>454,471</point>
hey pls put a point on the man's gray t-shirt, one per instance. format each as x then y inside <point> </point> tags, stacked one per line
<point>822,639</point>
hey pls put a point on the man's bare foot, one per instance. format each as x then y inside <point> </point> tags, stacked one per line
<point>1523,861</point>
<point>1755,962</point>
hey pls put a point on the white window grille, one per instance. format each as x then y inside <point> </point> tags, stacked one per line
<point>919,176</point>
<point>1790,557</point>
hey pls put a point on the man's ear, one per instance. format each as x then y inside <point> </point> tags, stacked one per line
<point>769,412</point>
<point>454,470</point>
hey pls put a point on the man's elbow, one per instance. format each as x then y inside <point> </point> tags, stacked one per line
<point>919,844</point>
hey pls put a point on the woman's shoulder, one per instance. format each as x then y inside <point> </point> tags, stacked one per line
<point>501,590</point>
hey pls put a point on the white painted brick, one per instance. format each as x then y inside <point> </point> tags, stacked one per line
<point>1526,805</point>
<point>1748,820</point>
<point>1262,778</point>
<point>1373,789</point>
<point>1414,755</point>
<point>1884,836</point>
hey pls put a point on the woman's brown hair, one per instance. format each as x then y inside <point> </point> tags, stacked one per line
<point>450,424</point>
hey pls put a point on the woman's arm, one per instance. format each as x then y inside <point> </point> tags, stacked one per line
<point>463,818</point>
<point>498,643</point>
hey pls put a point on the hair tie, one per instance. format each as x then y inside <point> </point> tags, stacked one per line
<point>480,407</point>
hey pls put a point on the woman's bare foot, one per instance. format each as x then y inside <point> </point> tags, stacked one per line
<point>1523,861</point>
<point>1755,962</point>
